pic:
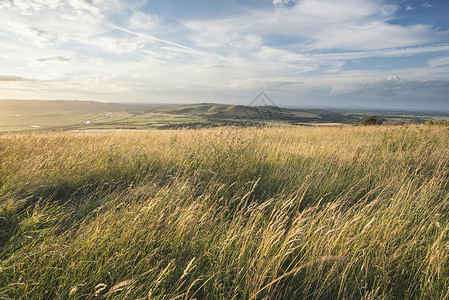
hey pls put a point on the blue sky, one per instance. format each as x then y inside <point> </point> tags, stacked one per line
<point>372,53</point>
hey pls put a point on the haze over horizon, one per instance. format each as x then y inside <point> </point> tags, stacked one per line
<point>364,53</point>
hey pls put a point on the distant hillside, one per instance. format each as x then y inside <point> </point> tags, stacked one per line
<point>225,111</point>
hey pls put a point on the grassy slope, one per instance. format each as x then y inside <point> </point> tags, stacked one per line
<point>224,111</point>
<point>250,213</point>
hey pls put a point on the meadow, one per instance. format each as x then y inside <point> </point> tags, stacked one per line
<point>346,212</point>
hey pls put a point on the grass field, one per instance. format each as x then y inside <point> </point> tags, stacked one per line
<point>255,213</point>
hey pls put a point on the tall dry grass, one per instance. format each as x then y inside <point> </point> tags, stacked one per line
<point>309,213</point>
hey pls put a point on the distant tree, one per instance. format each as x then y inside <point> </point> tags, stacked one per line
<point>371,120</point>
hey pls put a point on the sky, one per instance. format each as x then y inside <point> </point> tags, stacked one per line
<point>338,53</point>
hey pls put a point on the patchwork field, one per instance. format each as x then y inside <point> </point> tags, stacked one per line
<point>253,213</point>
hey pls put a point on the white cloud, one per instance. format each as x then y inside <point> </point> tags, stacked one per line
<point>215,33</point>
<point>350,24</point>
<point>282,2</point>
<point>427,5</point>
<point>373,36</point>
<point>319,24</point>
<point>85,5</point>
<point>436,62</point>
<point>344,10</point>
<point>140,20</point>
<point>119,45</point>
<point>391,86</point>
<point>38,36</point>
<point>46,37</point>
<point>30,7</point>
<point>49,23</point>
<point>4,3</point>
<point>383,53</point>
<point>58,58</point>
<point>315,26</point>
<point>273,54</point>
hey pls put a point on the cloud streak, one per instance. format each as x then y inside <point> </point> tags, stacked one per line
<point>55,58</point>
<point>392,86</point>
<point>13,78</point>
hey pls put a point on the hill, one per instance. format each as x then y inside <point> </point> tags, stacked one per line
<point>212,110</point>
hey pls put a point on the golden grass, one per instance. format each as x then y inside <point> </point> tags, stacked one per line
<point>313,213</point>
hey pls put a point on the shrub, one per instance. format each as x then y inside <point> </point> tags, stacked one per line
<point>371,120</point>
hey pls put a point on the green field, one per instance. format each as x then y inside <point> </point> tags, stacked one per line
<point>354,212</point>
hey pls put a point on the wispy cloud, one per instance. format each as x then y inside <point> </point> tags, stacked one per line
<point>395,52</point>
<point>280,3</point>
<point>319,24</point>
<point>437,62</point>
<point>156,39</point>
<point>391,86</point>
<point>55,58</point>
<point>13,78</point>
<point>140,20</point>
